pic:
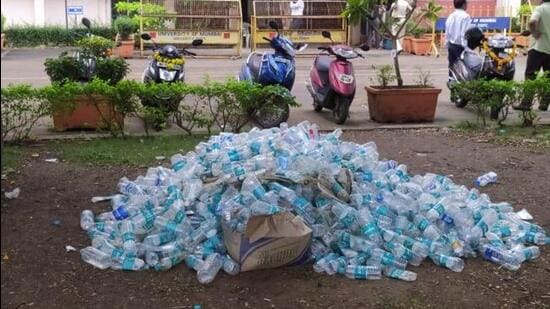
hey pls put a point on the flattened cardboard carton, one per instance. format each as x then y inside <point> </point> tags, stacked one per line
<point>269,242</point>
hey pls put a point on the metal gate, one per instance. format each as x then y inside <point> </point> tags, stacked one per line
<point>306,28</point>
<point>217,22</point>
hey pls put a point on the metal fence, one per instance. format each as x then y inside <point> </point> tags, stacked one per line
<point>316,16</point>
<point>217,22</point>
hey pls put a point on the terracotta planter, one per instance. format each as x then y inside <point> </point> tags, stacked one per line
<point>125,49</point>
<point>89,113</point>
<point>407,44</point>
<point>404,104</point>
<point>421,46</point>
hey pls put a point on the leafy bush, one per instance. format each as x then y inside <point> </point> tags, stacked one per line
<point>31,36</point>
<point>95,46</point>
<point>64,68</point>
<point>487,94</point>
<point>132,10</point>
<point>384,75</point>
<point>226,105</point>
<point>125,27</point>
<point>111,69</point>
<point>22,106</point>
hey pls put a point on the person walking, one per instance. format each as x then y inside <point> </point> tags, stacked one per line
<point>538,56</point>
<point>455,27</point>
<point>297,10</point>
<point>399,11</point>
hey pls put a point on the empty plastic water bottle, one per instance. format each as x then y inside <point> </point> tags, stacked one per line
<point>363,272</point>
<point>400,274</point>
<point>453,263</point>
<point>230,266</point>
<point>86,219</point>
<point>210,268</point>
<point>486,179</point>
<point>96,257</point>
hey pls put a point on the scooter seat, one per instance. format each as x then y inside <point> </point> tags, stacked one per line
<point>254,63</point>
<point>322,63</point>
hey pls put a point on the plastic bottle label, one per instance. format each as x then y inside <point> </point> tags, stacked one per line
<point>180,216</point>
<point>128,263</point>
<point>239,171</point>
<point>387,259</point>
<point>178,165</point>
<point>396,273</point>
<point>255,147</point>
<point>423,224</point>
<point>120,213</point>
<point>483,226</point>
<point>345,239</point>
<point>348,220</point>
<point>407,255</point>
<point>233,155</point>
<point>443,260</point>
<point>366,176</point>
<point>360,272</point>
<point>408,243</point>
<point>527,254</point>
<point>369,229</point>
<point>439,209</point>
<point>128,237</point>
<point>259,192</point>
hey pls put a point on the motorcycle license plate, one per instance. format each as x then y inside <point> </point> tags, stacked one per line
<point>346,79</point>
<point>165,65</point>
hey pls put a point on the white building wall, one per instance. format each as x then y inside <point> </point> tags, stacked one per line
<point>52,12</point>
<point>18,12</point>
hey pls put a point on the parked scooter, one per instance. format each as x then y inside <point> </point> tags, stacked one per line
<point>88,61</point>
<point>496,61</point>
<point>332,81</point>
<point>275,68</point>
<point>167,66</point>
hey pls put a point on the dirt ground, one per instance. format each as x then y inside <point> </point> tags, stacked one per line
<point>38,272</point>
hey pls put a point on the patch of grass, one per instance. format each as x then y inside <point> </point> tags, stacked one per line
<point>532,137</point>
<point>132,151</point>
<point>11,157</point>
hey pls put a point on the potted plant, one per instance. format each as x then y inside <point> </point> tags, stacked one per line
<point>3,24</point>
<point>89,109</point>
<point>420,44</point>
<point>397,103</point>
<point>431,12</point>
<point>125,36</point>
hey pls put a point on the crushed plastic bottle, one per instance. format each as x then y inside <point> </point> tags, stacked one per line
<point>369,217</point>
<point>486,179</point>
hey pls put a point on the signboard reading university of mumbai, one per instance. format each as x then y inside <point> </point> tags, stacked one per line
<point>186,37</point>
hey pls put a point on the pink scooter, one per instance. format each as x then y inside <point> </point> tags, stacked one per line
<point>332,81</point>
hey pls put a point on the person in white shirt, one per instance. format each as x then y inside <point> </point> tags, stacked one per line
<point>399,11</point>
<point>455,27</point>
<point>297,9</point>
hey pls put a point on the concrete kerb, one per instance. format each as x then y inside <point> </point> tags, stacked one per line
<point>81,135</point>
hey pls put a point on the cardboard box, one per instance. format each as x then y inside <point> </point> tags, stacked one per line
<point>269,242</point>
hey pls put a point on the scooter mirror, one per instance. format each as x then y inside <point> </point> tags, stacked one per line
<point>364,47</point>
<point>196,42</point>
<point>86,22</point>
<point>326,34</point>
<point>146,36</point>
<point>273,25</point>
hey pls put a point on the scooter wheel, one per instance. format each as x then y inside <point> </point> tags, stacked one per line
<point>341,112</point>
<point>272,114</point>
<point>317,107</point>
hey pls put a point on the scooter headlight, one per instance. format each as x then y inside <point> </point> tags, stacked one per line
<point>167,75</point>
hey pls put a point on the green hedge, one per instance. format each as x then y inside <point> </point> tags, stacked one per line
<point>31,36</point>
<point>221,105</point>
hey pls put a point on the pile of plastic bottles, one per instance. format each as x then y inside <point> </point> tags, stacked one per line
<point>369,217</point>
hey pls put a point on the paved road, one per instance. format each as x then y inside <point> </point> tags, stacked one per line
<point>26,66</point>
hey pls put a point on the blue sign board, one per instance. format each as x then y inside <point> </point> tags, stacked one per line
<point>75,10</point>
<point>484,23</point>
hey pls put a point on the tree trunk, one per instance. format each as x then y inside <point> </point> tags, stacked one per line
<point>396,63</point>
